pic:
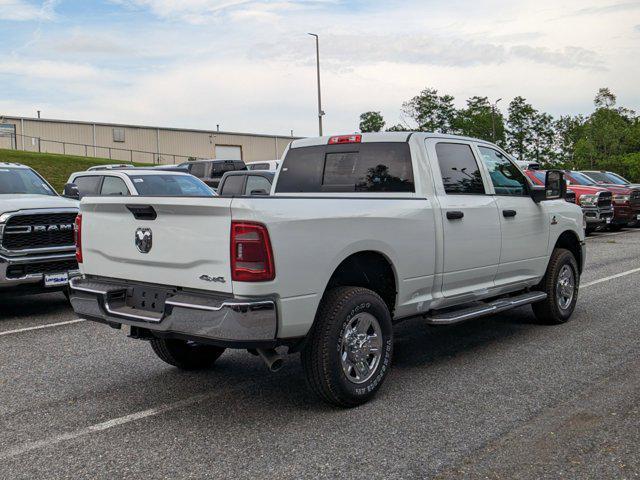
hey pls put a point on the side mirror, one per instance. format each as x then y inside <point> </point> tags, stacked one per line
<point>71,191</point>
<point>259,192</point>
<point>554,188</point>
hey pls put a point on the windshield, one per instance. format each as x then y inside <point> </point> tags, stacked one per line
<point>23,181</point>
<point>580,179</point>
<point>171,186</point>
<point>617,179</point>
<point>600,177</point>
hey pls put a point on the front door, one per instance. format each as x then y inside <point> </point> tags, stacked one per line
<point>524,223</point>
<point>471,227</point>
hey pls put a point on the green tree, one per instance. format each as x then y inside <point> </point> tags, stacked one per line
<point>398,127</point>
<point>431,112</point>
<point>568,130</point>
<point>371,122</point>
<point>542,142</point>
<point>480,120</point>
<point>520,128</point>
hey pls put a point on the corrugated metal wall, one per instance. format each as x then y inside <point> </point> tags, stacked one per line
<point>141,144</point>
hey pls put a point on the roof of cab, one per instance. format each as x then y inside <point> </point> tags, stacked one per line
<point>127,172</point>
<point>12,165</point>
<point>382,137</point>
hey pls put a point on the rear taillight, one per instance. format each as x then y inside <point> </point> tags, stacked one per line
<point>77,235</point>
<point>340,139</point>
<point>251,255</point>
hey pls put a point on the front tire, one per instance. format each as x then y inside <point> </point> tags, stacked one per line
<point>561,284</point>
<point>185,355</point>
<point>349,351</point>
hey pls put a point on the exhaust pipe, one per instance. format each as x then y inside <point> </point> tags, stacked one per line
<point>273,360</point>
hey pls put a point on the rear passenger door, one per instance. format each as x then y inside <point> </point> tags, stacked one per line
<point>524,223</point>
<point>471,227</point>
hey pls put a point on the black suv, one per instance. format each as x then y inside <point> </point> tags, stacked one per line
<point>211,171</point>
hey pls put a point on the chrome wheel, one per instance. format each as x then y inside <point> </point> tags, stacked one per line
<point>361,347</point>
<point>565,287</point>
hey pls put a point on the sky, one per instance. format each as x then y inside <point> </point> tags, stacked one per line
<point>249,65</point>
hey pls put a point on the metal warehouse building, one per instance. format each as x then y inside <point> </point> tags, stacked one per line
<point>135,142</point>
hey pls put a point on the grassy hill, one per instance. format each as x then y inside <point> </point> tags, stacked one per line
<point>55,168</point>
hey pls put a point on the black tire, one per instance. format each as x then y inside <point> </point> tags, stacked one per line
<point>186,355</point>
<point>321,356</point>
<point>550,311</point>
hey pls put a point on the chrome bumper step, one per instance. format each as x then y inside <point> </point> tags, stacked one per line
<point>489,308</point>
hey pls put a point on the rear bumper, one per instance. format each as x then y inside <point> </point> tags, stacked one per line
<point>34,280</point>
<point>227,321</point>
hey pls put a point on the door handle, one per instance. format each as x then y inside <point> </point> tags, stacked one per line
<point>455,215</point>
<point>509,213</point>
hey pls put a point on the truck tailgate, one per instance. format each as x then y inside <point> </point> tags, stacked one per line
<point>189,240</point>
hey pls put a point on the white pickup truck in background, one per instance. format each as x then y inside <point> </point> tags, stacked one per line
<point>37,250</point>
<point>359,232</point>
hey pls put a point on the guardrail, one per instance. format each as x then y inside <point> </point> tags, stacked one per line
<point>43,145</point>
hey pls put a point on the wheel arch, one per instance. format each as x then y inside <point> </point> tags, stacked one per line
<point>370,269</point>
<point>569,240</point>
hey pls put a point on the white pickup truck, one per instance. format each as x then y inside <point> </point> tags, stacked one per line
<point>37,250</point>
<point>359,232</point>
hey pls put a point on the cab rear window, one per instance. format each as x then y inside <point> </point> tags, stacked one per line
<point>359,168</point>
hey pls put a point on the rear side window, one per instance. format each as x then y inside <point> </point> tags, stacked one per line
<point>232,185</point>
<point>363,167</point>
<point>459,169</point>
<point>257,183</point>
<point>88,185</point>
<point>114,186</point>
<point>258,166</point>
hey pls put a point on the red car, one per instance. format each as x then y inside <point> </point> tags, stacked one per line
<point>608,179</point>
<point>626,200</point>
<point>596,202</point>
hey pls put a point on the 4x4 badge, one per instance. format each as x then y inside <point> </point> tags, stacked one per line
<point>208,278</point>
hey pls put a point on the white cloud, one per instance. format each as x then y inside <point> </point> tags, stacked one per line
<point>21,10</point>
<point>50,70</point>
<point>203,11</point>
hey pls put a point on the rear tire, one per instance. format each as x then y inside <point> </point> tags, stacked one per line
<point>185,355</point>
<point>561,284</point>
<point>350,347</point>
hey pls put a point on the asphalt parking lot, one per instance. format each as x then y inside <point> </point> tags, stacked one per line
<point>500,397</point>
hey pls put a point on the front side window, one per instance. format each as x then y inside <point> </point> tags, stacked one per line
<point>114,186</point>
<point>22,181</point>
<point>617,179</point>
<point>459,170</point>
<point>507,179</point>
<point>360,168</point>
<point>257,183</point>
<point>170,186</point>
<point>88,185</point>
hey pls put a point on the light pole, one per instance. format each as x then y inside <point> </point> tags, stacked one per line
<point>493,119</point>
<point>320,112</point>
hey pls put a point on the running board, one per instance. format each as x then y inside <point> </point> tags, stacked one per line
<point>491,308</point>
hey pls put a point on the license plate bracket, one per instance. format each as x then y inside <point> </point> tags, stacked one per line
<point>147,298</point>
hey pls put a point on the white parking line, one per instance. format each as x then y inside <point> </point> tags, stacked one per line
<point>99,427</point>
<point>40,327</point>
<point>611,277</point>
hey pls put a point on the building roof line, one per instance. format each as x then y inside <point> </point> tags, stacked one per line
<point>150,127</point>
